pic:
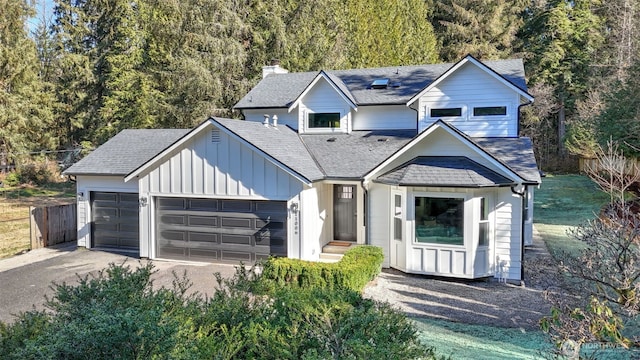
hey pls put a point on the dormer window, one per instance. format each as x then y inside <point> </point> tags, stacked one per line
<point>446,112</point>
<point>324,120</point>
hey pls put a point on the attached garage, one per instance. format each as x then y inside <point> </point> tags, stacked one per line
<point>115,220</point>
<point>220,230</point>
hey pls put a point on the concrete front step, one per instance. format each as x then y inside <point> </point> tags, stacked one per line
<point>337,247</point>
<point>330,258</point>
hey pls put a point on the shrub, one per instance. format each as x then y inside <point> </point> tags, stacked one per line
<point>12,179</point>
<point>38,172</point>
<point>359,265</point>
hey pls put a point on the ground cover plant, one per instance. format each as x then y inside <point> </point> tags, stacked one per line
<point>14,211</point>
<point>119,314</point>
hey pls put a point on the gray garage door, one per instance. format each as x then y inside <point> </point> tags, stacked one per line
<point>220,230</point>
<point>115,220</point>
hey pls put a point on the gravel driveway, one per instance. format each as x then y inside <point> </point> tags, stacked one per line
<point>482,302</point>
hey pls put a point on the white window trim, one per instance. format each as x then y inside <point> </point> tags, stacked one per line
<point>343,120</point>
<point>507,116</point>
<point>467,224</point>
<point>463,111</point>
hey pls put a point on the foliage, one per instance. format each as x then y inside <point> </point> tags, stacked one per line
<point>12,179</point>
<point>359,265</point>
<point>485,29</point>
<point>38,171</point>
<point>606,268</point>
<point>118,314</point>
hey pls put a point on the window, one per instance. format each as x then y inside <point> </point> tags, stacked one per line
<point>397,218</point>
<point>346,193</point>
<point>445,112</point>
<point>439,220</point>
<point>483,224</point>
<point>324,120</point>
<point>490,111</point>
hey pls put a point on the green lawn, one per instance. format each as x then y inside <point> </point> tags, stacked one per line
<point>562,202</point>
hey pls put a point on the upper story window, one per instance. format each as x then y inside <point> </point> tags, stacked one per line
<point>490,111</point>
<point>324,120</point>
<point>446,112</point>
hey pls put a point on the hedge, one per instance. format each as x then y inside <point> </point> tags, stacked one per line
<point>359,265</point>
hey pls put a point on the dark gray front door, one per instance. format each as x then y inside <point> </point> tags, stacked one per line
<point>220,230</point>
<point>344,212</point>
<point>114,220</point>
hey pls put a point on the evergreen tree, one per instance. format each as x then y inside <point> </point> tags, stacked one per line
<point>560,38</point>
<point>25,110</point>
<point>485,29</point>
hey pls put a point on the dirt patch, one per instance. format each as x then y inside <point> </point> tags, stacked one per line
<point>481,302</point>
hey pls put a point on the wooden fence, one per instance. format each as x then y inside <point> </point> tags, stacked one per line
<point>631,166</point>
<point>52,225</point>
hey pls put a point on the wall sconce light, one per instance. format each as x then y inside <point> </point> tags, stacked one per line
<point>80,195</point>
<point>143,201</point>
<point>293,207</point>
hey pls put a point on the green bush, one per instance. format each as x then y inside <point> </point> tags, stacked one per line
<point>12,179</point>
<point>119,315</point>
<point>359,265</point>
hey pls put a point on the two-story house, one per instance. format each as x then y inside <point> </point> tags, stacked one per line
<point>423,161</point>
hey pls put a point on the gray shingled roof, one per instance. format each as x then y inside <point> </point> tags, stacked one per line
<point>281,143</point>
<point>126,151</point>
<point>280,90</point>
<point>516,153</point>
<point>450,171</point>
<point>351,156</point>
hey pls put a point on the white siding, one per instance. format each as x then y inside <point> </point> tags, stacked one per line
<point>380,219</point>
<point>224,169</point>
<point>384,118</point>
<point>472,87</point>
<point>441,143</point>
<point>285,118</point>
<point>323,98</point>
<point>85,185</point>
<point>508,229</point>
<point>314,220</point>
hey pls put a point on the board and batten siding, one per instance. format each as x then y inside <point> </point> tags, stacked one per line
<point>213,166</point>
<point>314,205</point>
<point>472,87</point>
<point>387,117</point>
<point>87,184</point>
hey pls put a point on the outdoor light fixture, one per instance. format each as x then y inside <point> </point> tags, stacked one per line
<point>143,201</point>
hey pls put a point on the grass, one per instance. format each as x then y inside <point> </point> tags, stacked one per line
<point>14,212</point>
<point>464,341</point>
<point>562,202</point>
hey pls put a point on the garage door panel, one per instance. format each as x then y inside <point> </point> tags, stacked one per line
<point>115,220</point>
<point>221,230</point>
<point>208,221</point>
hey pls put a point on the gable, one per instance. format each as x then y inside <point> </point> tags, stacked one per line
<point>441,141</point>
<point>214,162</point>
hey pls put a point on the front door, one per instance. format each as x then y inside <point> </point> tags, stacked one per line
<point>344,212</point>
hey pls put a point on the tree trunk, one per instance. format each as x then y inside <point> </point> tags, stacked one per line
<point>561,130</point>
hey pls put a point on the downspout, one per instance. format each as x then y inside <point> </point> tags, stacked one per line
<point>365,208</point>
<point>523,219</point>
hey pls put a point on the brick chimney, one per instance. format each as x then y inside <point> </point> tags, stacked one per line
<point>273,68</point>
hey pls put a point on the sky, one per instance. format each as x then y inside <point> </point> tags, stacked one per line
<point>44,9</point>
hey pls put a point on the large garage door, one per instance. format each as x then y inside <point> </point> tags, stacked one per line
<point>115,220</point>
<point>220,230</point>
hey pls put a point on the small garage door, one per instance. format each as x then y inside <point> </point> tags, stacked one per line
<point>220,230</point>
<point>115,220</point>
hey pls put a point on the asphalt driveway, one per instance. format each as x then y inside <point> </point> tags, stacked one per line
<point>26,279</point>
